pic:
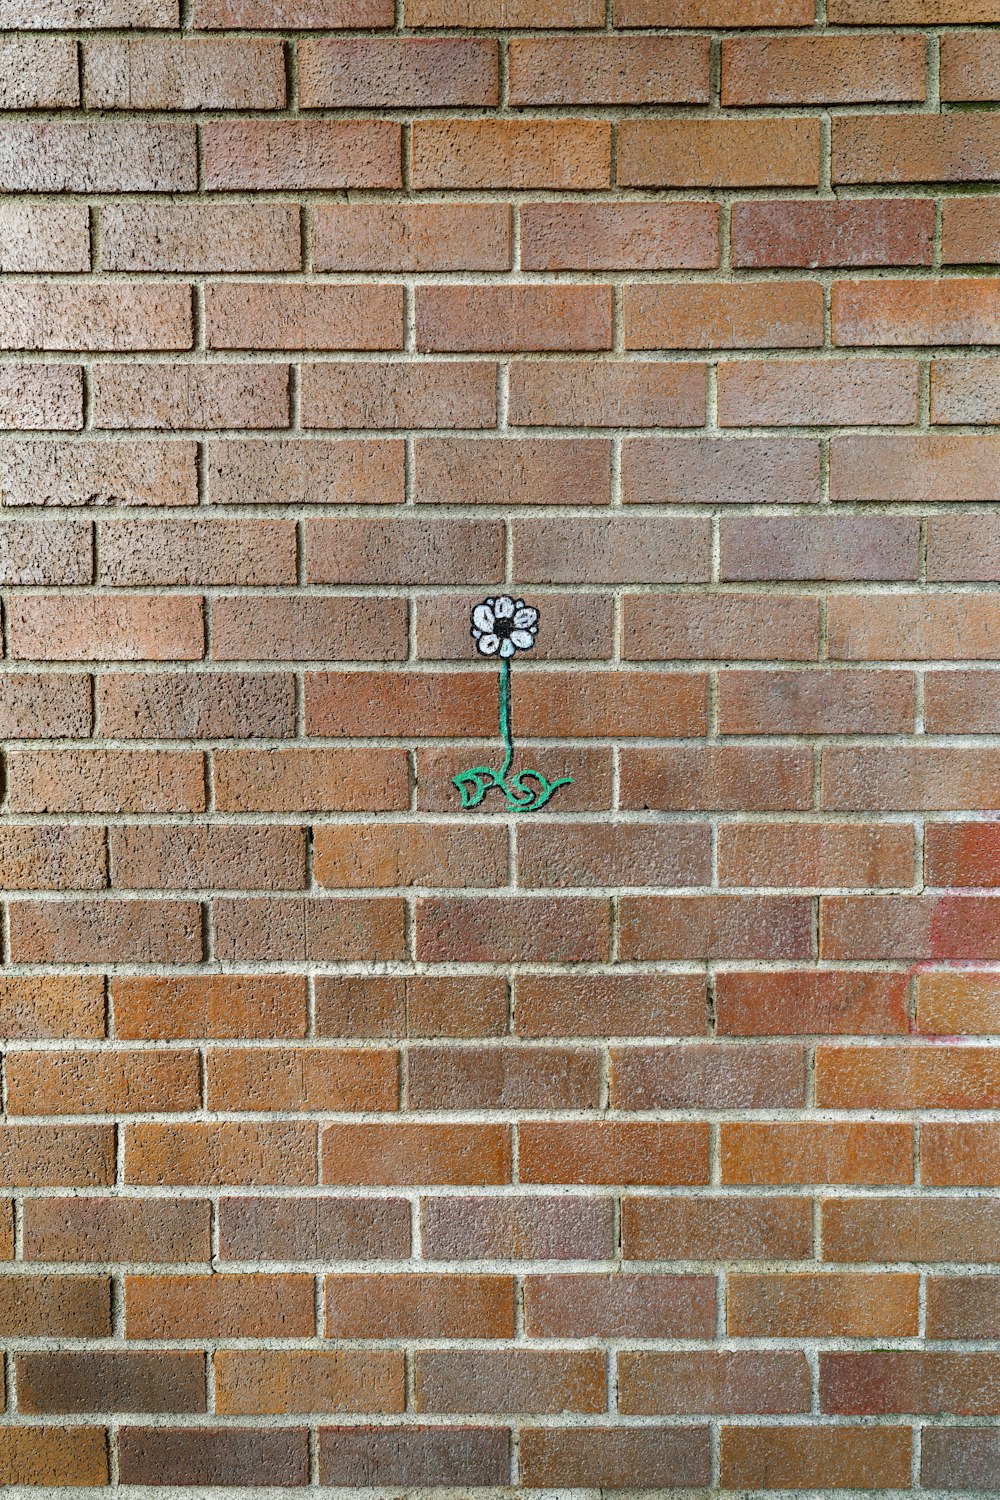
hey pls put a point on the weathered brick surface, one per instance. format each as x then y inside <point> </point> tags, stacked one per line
<point>359,1141</point>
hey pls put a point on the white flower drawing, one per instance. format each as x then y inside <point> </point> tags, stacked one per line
<point>504,626</point>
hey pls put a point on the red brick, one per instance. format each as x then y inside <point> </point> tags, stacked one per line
<point>222,1455</point>
<point>220,1307</point>
<point>437,1455</point>
<point>307,930</point>
<point>965,390</point>
<point>713,13</point>
<point>366,855</point>
<point>39,1155</point>
<point>940,466</point>
<point>411,236</point>
<point>822,69</point>
<point>106,781</point>
<point>963,547</point>
<point>44,705</point>
<point>211,237</point>
<point>38,72</point>
<point>954,1003</point>
<point>932,778</point>
<point>610,1153</point>
<point>518,153</point>
<point>290,471</point>
<point>619,236</point>
<point>163,1230</point>
<point>504,13</point>
<point>803,392</point>
<point>820,855</point>
<point>954,1155</point>
<point>398,704</point>
<point>523,471</point>
<point>138,472</point>
<point>962,854</point>
<point>865,232</point>
<point>508,318</point>
<point>412,1154</point>
<point>38,397</point>
<point>302,154</point>
<point>420,551</point>
<point>516,1228</point>
<point>718,153</point>
<point>584,854</point>
<point>98,932</point>
<point>301,1080</point>
<point>910,927</point>
<point>710,1075</point>
<point>957,147</point>
<point>911,627</point>
<point>328,14</point>
<point>298,780</point>
<point>163,73</point>
<point>216,1005</point>
<point>278,1381</point>
<point>53,1007</point>
<point>49,315</point>
<point>716,1228</point>
<point>804,1457</point>
<point>221,1153</point>
<point>969,72</point>
<point>379,73</point>
<point>241,315</point>
<point>650,1383</point>
<point>828,1305</point>
<point>949,311</point>
<point>594,393</point>
<point>610,1004</point>
<point>103,1083</point>
<point>610,70</point>
<point>785,1152</point>
<point>307,628</point>
<point>97,156</point>
<point>509,1380</point>
<point>53,1455</point>
<point>501,929</point>
<point>704,927</point>
<point>746,315</point>
<point>415,1006</point>
<point>174,397</point>
<point>600,550</point>
<point>709,778</point>
<point>809,1002</point>
<point>419,1306</point>
<point>209,705</point>
<point>44,236</point>
<point>388,395</point>
<point>931,1228</point>
<point>735,627</point>
<point>970,231</point>
<point>616,1457</point>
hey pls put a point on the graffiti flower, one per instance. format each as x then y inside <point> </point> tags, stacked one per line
<point>504,626</point>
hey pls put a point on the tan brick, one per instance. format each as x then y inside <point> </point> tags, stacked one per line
<point>163,73</point>
<point>38,72</point>
<point>302,154</point>
<point>566,154</point>
<point>44,236</point>
<point>107,627</point>
<point>211,237</point>
<point>411,237</point>
<point>718,153</point>
<point>242,315</point>
<point>610,70</point>
<point>41,397</point>
<point>384,73</point>
<point>619,236</point>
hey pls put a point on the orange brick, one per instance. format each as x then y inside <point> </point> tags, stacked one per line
<point>816,854</point>
<point>941,466</point>
<point>310,929</point>
<point>916,312</point>
<point>384,73</point>
<point>718,153</point>
<point>411,1154</point>
<point>39,1155</point>
<point>399,704</point>
<point>217,1005</point>
<point>219,1306</point>
<point>970,231</point>
<point>106,780</point>
<point>716,778</point>
<point>958,1155</point>
<point>840,1457</point>
<point>746,315</point>
<point>255,1381</point>
<point>828,1151</point>
<point>102,1083</point>
<point>52,1007</point>
<point>619,236</point>
<point>610,1153</point>
<point>909,927</point>
<point>610,70</point>
<point>718,1228</point>
<point>713,13</point>
<point>302,154</point>
<point>296,780</point>
<point>419,1306</point>
<point>958,147</point>
<point>828,1305</point>
<point>416,1006</point>
<point>53,1455</point>
<point>551,705</point>
<point>929,1076</point>
<point>566,154</point>
<point>301,1080</point>
<point>953,1003</point>
<point>365,855</point>
<point>822,69</point>
<point>93,1228</point>
<point>961,854</point>
<point>411,237</point>
<point>221,1153</point>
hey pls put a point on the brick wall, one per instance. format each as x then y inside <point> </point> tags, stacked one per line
<point>646,1139</point>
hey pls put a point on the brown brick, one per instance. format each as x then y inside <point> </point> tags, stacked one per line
<point>619,236</point>
<point>512,471</point>
<point>815,854</point>
<point>361,855</point>
<point>845,702</point>
<point>435,1455</point>
<point>294,472</point>
<point>613,1306</point>
<point>498,929</point>
<point>415,1006</point>
<point>969,72</point>
<point>948,311</point>
<point>57,1155</point>
<point>611,1153</point>
<point>325,1229</point>
<point>420,551</point>
<point>110,1380</point>
<point>911,627</point>
<point>953,1155</point>
<point>49,315</point>
<point>163,1230</point>
<point>306,628</point>
<point>909,927</point>
<point>600,855</point>
<point>509,1381</point>
<point>701,1381</point>
<point>508,318</point>
<point>965,390</point>
<point>45,550</point>
<point>36,397</point>
<point>718,153</point>
<point>391,395</point>
<point>865,232</point>
<point>576,627</point>
<point>399,704</point>
<point>44,236</point>
<point>56,1306</point>
<point>711,1075</point>
<point>830,1305</point>
<point>219,14</point>
<point>54,1007</point>
<point>172,397</point>
<point>261,236</point>
<point>716,778</point>
<point>962,1307</point>
<point>822,69</point>
<point>963,547</point>
<point>835,1457</point>
<point>609,1004</point>
<point>617,1457</point>
<point>807,1001</point>
<point>828,1151</point>
<point>242,315</point>
<point>518,153</point>
<point>178,553</point>
<point>97,156</point>
<point>419,1306</point>
<point>278,1381</point>
<point>746,315</point>
<point>594,393</point>
<point>411,236</point>
<point>551,705</point>
<point>801,392</point>
<point>970,231</point>
<point>716,1228</point>
<point>965,1456</point>
<point>961,854</point>
<point>713,13</point>
<point>213,705</point>
<point>599,550</point>
<point>383,73</point>
<point>411,1154</point>
<point>836,547</point>
<point>53,1455</point>
<point>215,1005</point>
<point>301,1080</point>
<point>957,147</point>
<point>516,1228</point>
<point>86,932</point>
<point>736,627</point>
<point>297,780</point>
<point>220,1307</point>
<point>43,705</point>
<point>718,471</point>
<point>222,1455</point>
<point>136,472</point>
<point>887,1381</point>
<point>221,1153</point>
<point>208,856</point>
<point>505,1077</point>
<point>504,13</point>
<point>307,930</point>
<point>912,12</point>
<point>888,1230</point>
<point>954,1003</point>
<point>38,72</point>
<point>610,70</point>
<point>164,73</point>
<point>302,154</point>
<point>106,781</point>
<point>104,1083</point>
<point>934,778</point>
<point>940,466</point>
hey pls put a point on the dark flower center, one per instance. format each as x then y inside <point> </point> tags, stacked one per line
<point>503,629</point>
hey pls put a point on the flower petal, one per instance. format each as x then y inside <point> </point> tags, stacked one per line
<point>488,645</point>
<point>522,640</point>
<point>483,618</point>
<point>525,617</point>
<point>507,648</point>
<point>504,607</point>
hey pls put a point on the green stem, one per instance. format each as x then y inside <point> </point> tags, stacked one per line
<point>505,715</point>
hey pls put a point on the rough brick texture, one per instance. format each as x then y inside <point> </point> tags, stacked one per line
<point>358,1142</point>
